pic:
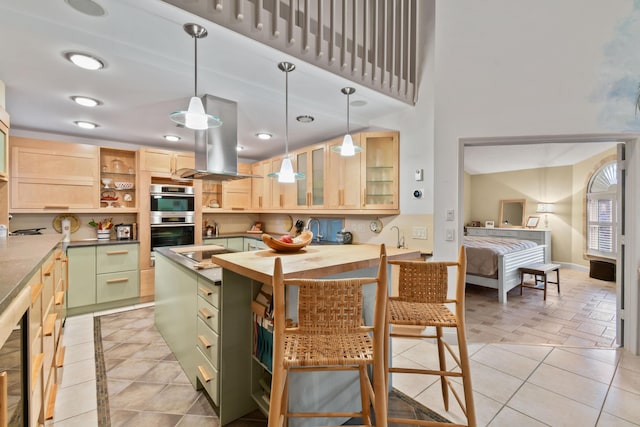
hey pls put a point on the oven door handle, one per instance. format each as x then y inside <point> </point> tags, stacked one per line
<point>182,224</point>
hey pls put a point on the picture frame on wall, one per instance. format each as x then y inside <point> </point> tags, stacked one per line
<point>532,221</point>
<point>489,224</point>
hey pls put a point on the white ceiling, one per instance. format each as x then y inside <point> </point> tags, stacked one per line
<point>150,73</point>
<point>505,158</point>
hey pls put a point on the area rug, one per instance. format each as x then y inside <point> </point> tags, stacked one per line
<point>125,333</point>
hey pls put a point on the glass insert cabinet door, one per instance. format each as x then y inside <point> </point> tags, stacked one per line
<point>3,152</point>
<point>310,190</point>
<point>381,170</point>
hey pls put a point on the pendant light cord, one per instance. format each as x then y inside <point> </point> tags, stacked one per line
<point>195,89</point>
<point>348,113</point>
<point>286,114</point>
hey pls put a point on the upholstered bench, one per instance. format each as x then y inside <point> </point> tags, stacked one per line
<point>540,272</point>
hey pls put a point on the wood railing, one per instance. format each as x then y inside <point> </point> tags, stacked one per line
<point>371,42</point>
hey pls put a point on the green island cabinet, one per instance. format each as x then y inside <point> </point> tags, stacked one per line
<point>207,340</point>
<point>102,276</point>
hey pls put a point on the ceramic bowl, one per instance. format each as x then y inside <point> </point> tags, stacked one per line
<point>298,243</point>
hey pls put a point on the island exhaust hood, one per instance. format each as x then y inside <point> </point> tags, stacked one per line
<point>215,148</point>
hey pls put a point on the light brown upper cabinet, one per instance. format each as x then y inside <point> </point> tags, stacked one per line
<point>228,195</point>
<point>164,162</point>
<point>380,170</point>
<point>343,178</point>
<point>53,176</point>
<point>4,145</point>
<point>118,186</point>
<point>261,187</point>
<point>283,195</point>
<point>310,190</point>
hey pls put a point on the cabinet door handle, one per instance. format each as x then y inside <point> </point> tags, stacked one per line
<point>4,399</point>
<point>122,279</point>
<point>364,197</point>
<point>205,375</point>
<point>47,272</point>
<point>282,200</point>
<point>205,291</point>
<point>260,201</point>
<point>56,207</point>
<point>204,342</point>
<point>204,313</point>
<point>123,252</point>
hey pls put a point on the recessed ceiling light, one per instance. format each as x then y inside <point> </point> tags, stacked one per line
<point>172,138</point>
<point>85,125</point>
<point>263,135</point>
<point>84,60</point>
<point>88,7</point>
<point>239,148</point>
<point>86,101</point>
<point>305,118</point>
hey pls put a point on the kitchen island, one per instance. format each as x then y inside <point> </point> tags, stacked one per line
<point>205,316</point>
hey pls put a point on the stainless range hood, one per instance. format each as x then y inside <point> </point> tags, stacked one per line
<point>216,148</point>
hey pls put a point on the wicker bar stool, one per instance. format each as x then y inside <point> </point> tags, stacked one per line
<point>330,336</point>
<point>421,302</point>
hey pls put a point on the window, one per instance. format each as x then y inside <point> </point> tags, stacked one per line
<point>602,212</point>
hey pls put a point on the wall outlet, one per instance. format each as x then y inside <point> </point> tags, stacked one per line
<point>419,233</point>
<point>449,234</point>
<point>451,215</point>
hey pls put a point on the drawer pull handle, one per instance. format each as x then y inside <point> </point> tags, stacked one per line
<point>204,342</point>
<point>117,252</point>
<point>204,313</point>
<point>205,375</point>
<point>56,207</point>
<point>47,272</point>
<point>205,291</point>
<point>120,280</point>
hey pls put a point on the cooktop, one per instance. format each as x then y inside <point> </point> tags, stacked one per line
<point>199,256</point>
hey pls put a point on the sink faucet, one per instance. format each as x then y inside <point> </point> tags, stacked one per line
<point>399,240</point>
<point>308,227</point>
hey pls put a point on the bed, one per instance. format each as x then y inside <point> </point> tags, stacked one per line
<point>493,262</point>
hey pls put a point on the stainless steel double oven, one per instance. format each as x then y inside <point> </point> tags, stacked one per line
<point>172,215</point>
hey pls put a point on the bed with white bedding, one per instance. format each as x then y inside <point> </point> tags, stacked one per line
<point>493,262</point>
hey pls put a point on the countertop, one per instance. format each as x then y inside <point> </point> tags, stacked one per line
<point>96,242</point>
<point>311,262</point>
<point>212,274</point>
<point>20,257</point>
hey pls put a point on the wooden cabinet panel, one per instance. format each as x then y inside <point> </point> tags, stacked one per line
<point>4,145</point>
<point>261,187</point>
<point>236,194</point>
<point>283,195</point>
<point>82,276</point>
<point>311,162</point>
<point>53,175</point>
<point>164,162</point>
<point>344,183</point>
<point>380,170</point>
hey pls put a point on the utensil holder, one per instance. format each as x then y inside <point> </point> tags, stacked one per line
<point>104,234</point>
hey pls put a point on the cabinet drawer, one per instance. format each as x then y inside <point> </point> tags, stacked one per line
<point>112,258</point>
<point>209,314</point>
<point>117,286</point>
<point>209,291</point>
<point>208,376</point>
<point>207,342</point>
<point>35,311</point>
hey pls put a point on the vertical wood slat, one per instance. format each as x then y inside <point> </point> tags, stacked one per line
<point>290,24</point>
<point>402,30</point>
<point>354,34</point>
<point>305,28</point>
<point>320,31</point>
<point>383,54</point>
<point>239,10</point>
<point>391,20</point>
<point>365,27</point>
<point>332,30</point>
<point>275,17</point>
<point>343,41</point>
<point>414,36</point>
<point>258,18</point>
<point>374,41</point>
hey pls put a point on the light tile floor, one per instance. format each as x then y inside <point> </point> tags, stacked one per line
<point>514,384</point>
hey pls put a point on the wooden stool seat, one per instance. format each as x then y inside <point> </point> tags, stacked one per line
<point>540,272</point>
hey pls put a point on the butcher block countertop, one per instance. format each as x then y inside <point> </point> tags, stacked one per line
<point>311,262</point>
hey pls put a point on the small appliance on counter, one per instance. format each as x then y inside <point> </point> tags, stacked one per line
<point>124,231</point>
<point>344,237</point>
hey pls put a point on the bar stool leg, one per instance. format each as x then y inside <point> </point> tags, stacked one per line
<point>364,395</point>
<point>443,367</point>
<point>558,280</point>
<point>545,287</point>
<point>521,282</point>
<point>466,377</point>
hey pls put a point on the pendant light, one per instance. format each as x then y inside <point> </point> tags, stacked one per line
<point>347,148</point>
<point>195,117</point>
<point>286,174</point>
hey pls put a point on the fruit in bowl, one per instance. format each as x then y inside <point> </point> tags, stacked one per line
<point>123,185</point>
<point>287,243</point>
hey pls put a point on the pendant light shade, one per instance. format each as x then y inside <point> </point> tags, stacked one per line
<point>286,173</point>
<point>195,117</point>
<point>347,148</point>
